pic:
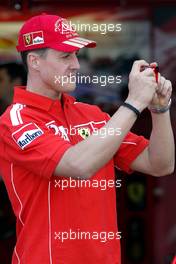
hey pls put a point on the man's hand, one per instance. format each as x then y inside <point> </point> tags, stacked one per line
<point>163,93</point>
<point>158,158</point>
<point>142,85</point>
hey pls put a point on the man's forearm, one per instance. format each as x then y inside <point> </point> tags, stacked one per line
<point>162,146</point>
<point>89,155</point>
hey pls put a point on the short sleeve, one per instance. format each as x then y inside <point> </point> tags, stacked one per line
<point>33,147</point>
<point>130,148</point>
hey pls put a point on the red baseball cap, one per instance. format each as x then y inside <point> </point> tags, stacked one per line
<point>50,31</point>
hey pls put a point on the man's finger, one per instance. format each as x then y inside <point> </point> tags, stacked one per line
<point>161,84</point>
<point>169,93</point>
<point>154,64</point>
<point>137,65</point>
<point>149,73</point>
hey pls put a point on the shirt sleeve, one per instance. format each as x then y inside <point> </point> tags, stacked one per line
<point>130,148</point>
<point>34,148</point>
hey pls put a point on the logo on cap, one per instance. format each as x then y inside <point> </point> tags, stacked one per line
<point>63,26</point>
<point>27,39</point>
<point>33,38</point>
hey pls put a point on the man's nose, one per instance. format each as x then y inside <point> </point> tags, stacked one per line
<point>75,63</point>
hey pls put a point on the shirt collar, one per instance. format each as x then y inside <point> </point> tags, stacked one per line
<point>21,95</point>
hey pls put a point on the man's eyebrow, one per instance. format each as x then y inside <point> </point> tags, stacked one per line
<point>67,53</point>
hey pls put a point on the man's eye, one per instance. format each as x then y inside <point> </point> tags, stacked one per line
<point>66,56</point>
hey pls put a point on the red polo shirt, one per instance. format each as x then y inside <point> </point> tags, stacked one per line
<point>59,221</point>
<point>174,260</point>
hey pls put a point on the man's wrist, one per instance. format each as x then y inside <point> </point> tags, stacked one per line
<point>160,109</point>
<point>138,105</point>
<point>132,108</point>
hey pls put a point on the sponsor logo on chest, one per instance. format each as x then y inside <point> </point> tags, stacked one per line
<point>81,131</point>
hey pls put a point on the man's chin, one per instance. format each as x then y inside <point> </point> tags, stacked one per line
<point>66,88</point>
<point>69,88</point>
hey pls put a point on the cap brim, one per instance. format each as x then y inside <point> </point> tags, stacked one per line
<point>73,44</point>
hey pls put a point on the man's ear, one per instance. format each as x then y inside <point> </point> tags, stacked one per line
<point>33,61</point>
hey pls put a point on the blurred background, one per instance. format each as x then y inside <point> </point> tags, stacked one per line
<point>146,205</point>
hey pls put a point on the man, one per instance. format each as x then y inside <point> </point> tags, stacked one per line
<point>51,144</point>
<point>11,74</point>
